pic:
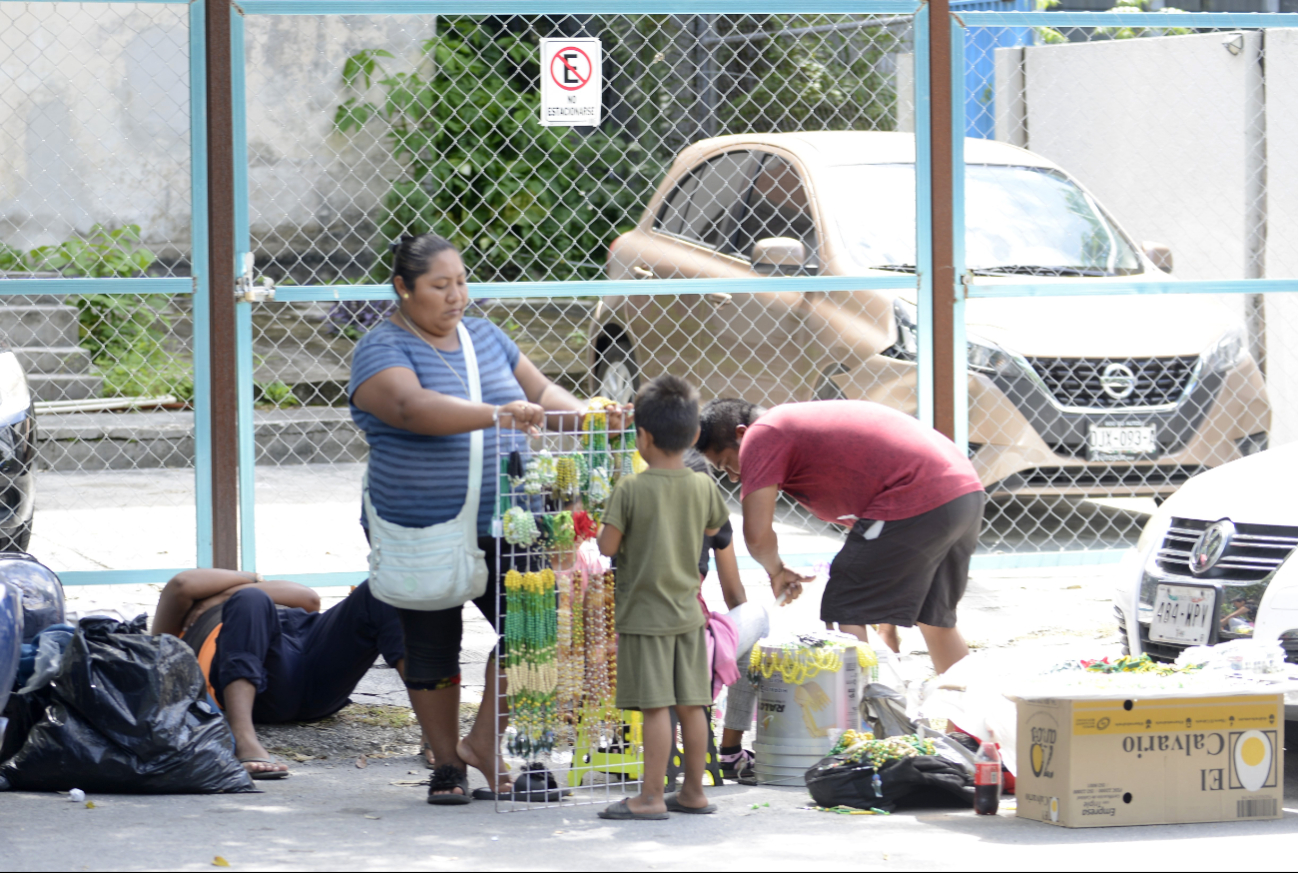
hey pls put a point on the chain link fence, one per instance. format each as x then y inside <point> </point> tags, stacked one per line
<point>95,184</point>
<point>434,124</point>
<point>732,146</point>
<point>1152,154</point>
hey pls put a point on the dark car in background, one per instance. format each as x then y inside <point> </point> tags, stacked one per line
<point>17,454</point>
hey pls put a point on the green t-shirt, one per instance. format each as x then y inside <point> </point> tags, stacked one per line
<point>662,515</point>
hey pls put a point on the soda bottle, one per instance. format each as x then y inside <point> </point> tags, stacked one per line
<point>987,779</point>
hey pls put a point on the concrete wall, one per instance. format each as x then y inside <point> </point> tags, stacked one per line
<point>304,178</point>
<point>1162,131</point>
<point>94,122</point>
<point>1282,226</point>
<point>1183,141</point>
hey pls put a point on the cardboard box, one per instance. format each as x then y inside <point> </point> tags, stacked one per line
<point>1099,763</point>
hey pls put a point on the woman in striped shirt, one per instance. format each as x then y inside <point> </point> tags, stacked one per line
<point>408,392</point>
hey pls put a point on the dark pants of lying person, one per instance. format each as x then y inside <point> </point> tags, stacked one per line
<point>304,665</point>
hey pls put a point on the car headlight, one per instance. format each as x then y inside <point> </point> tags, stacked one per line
<point>1225,352</point>
<point>987,357</point>
<point>14,396</point>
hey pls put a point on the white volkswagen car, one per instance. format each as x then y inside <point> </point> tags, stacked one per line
<point>1213,564</point>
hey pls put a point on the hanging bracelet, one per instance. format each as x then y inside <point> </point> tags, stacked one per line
<point>495,415</point>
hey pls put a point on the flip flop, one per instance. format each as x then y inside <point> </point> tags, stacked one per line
<point>445,778</point>
<point>263,774</point>
<point>621,812</point>
<point>674,805</point>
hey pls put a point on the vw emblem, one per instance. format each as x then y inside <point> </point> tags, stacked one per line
<point>1118,381</point>
<point>1210,546</point>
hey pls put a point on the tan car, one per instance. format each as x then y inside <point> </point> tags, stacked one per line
<point>1067,396</point>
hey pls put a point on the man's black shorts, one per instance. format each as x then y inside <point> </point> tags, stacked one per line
<point>916,569</point>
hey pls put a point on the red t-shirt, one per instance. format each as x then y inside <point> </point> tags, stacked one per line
<point>850,459</point>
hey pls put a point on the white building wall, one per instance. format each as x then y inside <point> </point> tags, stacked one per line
<point>94,121</point>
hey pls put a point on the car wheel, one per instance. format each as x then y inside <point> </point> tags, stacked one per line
<point>17,542</point>
<point>617,376</point>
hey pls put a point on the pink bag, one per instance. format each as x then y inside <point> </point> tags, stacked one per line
<point>723,641</point>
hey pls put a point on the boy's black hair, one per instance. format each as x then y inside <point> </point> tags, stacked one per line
<point>719,419</point>
<point>668,408</point>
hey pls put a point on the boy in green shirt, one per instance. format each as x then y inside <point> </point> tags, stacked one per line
<point>655,524</point>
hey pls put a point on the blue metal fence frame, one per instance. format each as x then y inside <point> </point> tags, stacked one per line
<point>195,285</point>
<point>966,21</point>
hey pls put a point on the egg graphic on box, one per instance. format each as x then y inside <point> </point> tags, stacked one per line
<point>1253,759</point>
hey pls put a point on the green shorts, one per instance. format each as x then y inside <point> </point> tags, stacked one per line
<point>671,670</point>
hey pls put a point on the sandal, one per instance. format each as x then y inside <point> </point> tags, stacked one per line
<point>423,753</point>
<point>445,779</point>
<point>263,774</point>
<point>674,805</point>
<point>621,812</point>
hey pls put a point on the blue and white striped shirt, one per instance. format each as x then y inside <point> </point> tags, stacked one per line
<point>418,480</point>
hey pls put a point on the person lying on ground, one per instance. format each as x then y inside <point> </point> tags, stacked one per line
<point>270,655</point>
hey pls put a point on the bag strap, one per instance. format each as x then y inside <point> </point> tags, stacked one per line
<point>469,513</point>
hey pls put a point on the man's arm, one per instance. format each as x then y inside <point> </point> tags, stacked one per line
<point>764,545</point>
<point>205,588</point>
<point>732,588</point>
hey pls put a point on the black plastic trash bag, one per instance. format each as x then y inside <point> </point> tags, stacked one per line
<point>41,588</point>
<point>127,713</point>
<point>11,641</point>
<point>924,780</point>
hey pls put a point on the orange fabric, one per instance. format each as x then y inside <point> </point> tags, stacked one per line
<point>205,655</point>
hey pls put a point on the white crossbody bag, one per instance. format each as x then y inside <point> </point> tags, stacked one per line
<point>440,566</point>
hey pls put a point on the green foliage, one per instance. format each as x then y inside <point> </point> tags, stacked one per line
<point>816,84</point>
<point>277,394</point>
<point>1049,35</point>
<point>125,334</point>
<point>522,201</point>
<point>103,254</point>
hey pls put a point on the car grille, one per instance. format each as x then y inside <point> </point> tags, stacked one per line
<point>1077,382</point>
<point>1253,554</point>
<point>1133,477</point>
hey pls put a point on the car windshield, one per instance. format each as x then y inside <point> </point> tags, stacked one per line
<point>1018,220</point>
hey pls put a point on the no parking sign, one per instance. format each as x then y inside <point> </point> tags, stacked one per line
<point>571,83</point>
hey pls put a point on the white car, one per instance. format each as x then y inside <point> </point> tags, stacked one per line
<point>1213,563</point>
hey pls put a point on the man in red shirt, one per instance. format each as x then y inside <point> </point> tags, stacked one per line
<point>910,498</point>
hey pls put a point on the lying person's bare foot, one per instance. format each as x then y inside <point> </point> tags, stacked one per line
<point>256,760</point>
<point>488,765</point>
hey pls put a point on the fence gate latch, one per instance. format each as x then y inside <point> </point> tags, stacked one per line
<point>245,290</point>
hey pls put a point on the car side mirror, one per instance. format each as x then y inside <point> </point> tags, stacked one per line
<point>1160,254</point>
<point>779,253</point>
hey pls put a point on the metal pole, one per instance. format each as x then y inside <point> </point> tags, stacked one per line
<point>942,190</point>
<point>224,437</point>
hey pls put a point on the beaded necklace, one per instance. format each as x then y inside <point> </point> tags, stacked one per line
<point>531,671</point>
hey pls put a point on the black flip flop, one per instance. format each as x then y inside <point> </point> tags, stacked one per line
<point>263,774</point>
<point>621,812</point>
<point>445,778</point>
<point>674,805</point>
